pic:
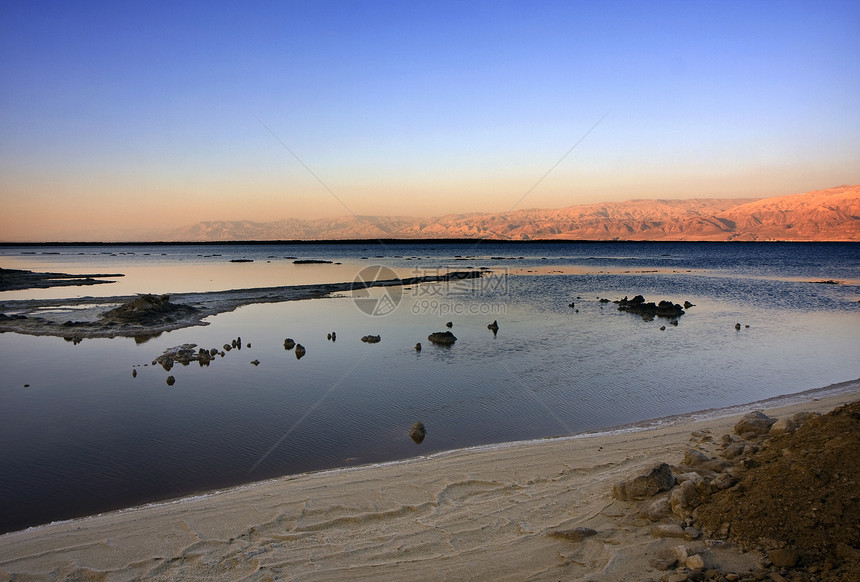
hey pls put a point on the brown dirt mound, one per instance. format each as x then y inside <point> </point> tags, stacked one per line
<point>800,500</point>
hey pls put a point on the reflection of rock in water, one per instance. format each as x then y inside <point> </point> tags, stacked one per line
<point>143,338</point>
<point>417,432</point>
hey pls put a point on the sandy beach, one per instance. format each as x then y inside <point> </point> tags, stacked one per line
<point>538,510</point>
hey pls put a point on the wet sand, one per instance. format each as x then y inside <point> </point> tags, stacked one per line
<point>487,513</point>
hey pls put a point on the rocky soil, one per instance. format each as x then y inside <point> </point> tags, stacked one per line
<point>799,500</point>
<point>785,490</point>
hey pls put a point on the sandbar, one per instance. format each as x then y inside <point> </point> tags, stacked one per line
<point>91,317</point>
<point>485,513</point>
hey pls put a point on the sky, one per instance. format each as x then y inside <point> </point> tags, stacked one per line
<point>123,119</point>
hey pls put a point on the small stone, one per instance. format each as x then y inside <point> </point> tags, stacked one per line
<point>418,347</point>
<point>755,422</point>
<point>171,380</point>
<point>692,533</point>
<point>256,362</point>
<point>663,564</point>
<point>371,339</point>
<point>449,324</point>
<point>288,344</point>
<point>687,496</point>
<point>657,510</point>
<point>695,562</point>
<point>737,326</point>
<point>722,481</point>
<point>134,373</point>
<point>694,458</point>
<point>658,478</point>
<point>574,535</point>
<point>667,530</point>
<point>783,558</point>
<point>300,351</point>
<point>494,327</point>
<point>417,432</point>
<point>782,426</point>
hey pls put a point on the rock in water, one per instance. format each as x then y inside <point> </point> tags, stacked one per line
<point>288,344</point>
<point>371,339</point>
<point>171,380</point>
<point>300,351</point>
<point>445,338</point>
<point>418,347</point>
<point>417,432</point>
<point>494,327</point>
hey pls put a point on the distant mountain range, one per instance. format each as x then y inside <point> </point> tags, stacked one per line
<point>823,215</point>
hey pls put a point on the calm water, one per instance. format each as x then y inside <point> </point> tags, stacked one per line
<point>85,436</point>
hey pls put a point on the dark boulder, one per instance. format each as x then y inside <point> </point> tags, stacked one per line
<point>417,432</point>
<point>445,338</point>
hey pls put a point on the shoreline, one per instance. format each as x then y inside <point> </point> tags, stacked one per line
<point>462,513</point>
<point>96,317</point>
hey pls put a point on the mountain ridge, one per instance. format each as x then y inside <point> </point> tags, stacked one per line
<point>822,215</point>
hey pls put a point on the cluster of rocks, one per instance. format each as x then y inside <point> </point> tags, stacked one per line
<point>290,343</point>
<point>710,498</point>
<point>234,344</point>
<point>371,339</point>
<point>185,354</point>
<point>648,310</point>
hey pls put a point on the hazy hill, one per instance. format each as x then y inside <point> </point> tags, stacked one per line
<point>832,214</point>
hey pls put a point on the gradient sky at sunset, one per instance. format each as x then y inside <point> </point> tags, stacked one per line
<point>119,119</point>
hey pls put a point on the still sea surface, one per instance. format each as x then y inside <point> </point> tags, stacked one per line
<point>80,435</point>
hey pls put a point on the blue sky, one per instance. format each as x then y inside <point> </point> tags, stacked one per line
<point>121,118</point>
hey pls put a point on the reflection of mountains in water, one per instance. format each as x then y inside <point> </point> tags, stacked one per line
<point>832,214</point>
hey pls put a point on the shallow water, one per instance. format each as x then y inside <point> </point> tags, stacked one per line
<point>85,436</point>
